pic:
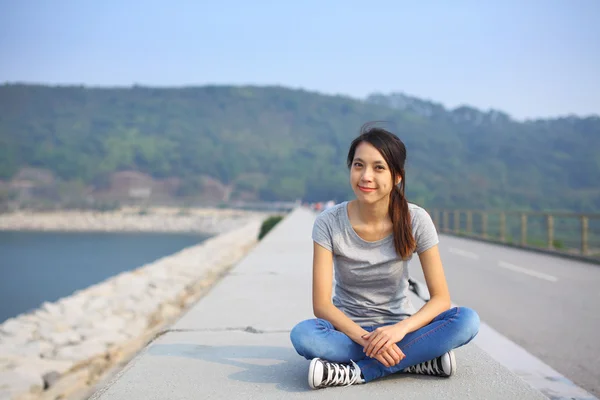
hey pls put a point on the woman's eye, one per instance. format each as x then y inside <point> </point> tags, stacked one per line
<point>357,164</point>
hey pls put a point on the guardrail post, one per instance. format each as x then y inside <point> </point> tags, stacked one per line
<point>445,221</point>
<point>469,221</point>
<point>550,223</point>
<point>456,221</point>
<point>584,235</point>
<point>484,225</point>
<point>435,219</point>
<point>502,227</point>
<point>523,229</point>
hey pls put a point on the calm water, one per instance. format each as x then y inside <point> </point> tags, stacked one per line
<point>43,266</point>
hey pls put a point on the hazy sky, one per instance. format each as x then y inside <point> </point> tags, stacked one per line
<point>527,58</point>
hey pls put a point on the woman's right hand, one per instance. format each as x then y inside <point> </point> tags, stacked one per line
<point>391,356</point>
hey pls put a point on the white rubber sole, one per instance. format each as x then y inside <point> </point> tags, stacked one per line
<point>311,373</point>
<point>452,363</point>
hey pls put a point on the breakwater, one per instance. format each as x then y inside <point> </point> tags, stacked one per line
<point>209,220</point>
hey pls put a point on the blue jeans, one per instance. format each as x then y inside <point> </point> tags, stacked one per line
<point>451,329</point>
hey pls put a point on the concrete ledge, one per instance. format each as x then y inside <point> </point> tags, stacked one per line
<point>235,341</point>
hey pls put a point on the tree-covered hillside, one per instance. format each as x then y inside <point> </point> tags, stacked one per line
<point>273,143</point>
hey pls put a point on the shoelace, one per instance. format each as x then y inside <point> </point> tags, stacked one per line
<point>430,367</point>
<point>341,374</point>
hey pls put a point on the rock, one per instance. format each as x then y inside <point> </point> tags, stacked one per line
<point>61,326</point>
<point>52,309</point>
<point>36,348</point>
<point>17,340</point>
<point>168,291</point>
<point>165,313</point>
<point>111,324</point>
<point>88,333</point>
<point>136,327</point>
<point>169,311</point>
<point>50,379</point>
<point>45,330</point>
<point>97,303</point>
<point>19,380</point>
<point>45,366</point>
<point>43,316</point>
<point>146,305</point>
<point>135,285</point>
<point>27,319</point>
<point>127,306</point>
<point>40,366</point>
<point>67,385</point>
<point>74,302</point>
<point>30,349</point>
<point>61,339</point>
<point>84,393</point>
<point>82,351</point>
<point>7,351</point>
<point>111,338</point>
<point>97,366</point>
<point>6,363</point>
<point>10,326</point>
<point>16,331</point>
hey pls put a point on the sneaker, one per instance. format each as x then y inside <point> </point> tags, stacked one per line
<point>444,365</point>
<point>323,373</point>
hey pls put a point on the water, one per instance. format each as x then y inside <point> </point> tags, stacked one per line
<point>46,266</point>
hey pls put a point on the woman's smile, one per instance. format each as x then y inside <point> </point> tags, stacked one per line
<point>366,189</point>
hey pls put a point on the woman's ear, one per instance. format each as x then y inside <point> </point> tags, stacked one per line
<point>398,180</point>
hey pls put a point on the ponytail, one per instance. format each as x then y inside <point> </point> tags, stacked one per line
<point>404,242</point>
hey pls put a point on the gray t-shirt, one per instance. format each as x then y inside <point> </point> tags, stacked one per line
<point>371,280</point>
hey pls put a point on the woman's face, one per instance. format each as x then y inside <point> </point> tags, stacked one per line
<point>370,176</point>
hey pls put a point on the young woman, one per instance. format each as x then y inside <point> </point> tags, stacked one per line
<point>370,329</point>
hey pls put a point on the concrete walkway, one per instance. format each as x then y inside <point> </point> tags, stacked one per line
<point>235,342</point>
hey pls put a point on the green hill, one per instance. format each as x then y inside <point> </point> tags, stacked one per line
<point>273,143</point>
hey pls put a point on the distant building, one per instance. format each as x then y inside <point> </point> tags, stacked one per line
<point>140,192</point>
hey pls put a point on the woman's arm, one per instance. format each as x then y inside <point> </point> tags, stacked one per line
<point>322,306</point>
<point>383,338</point>
<point>439,302</point>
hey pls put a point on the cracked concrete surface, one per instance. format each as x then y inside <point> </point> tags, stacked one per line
<point>248,329</point>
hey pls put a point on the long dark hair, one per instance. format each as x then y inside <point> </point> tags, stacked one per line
<point>394,152</point>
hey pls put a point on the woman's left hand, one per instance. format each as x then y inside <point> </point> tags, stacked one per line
<point>382,339</point>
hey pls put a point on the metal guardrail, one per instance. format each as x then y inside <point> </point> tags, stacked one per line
<point>560,232</point>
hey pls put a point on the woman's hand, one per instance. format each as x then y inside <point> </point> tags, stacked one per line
<point>382,339</point>
<point>391,357</point>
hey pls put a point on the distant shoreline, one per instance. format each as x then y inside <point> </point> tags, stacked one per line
<point>159,220</point>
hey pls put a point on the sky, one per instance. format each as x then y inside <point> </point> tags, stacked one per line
<point>528,58</point>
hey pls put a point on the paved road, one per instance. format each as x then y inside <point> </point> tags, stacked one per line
<point>548,305</point>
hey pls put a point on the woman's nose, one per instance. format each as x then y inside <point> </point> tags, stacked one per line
<point>366,176</point>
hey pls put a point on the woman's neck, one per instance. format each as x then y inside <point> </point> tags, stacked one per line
<point>372,213</point>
